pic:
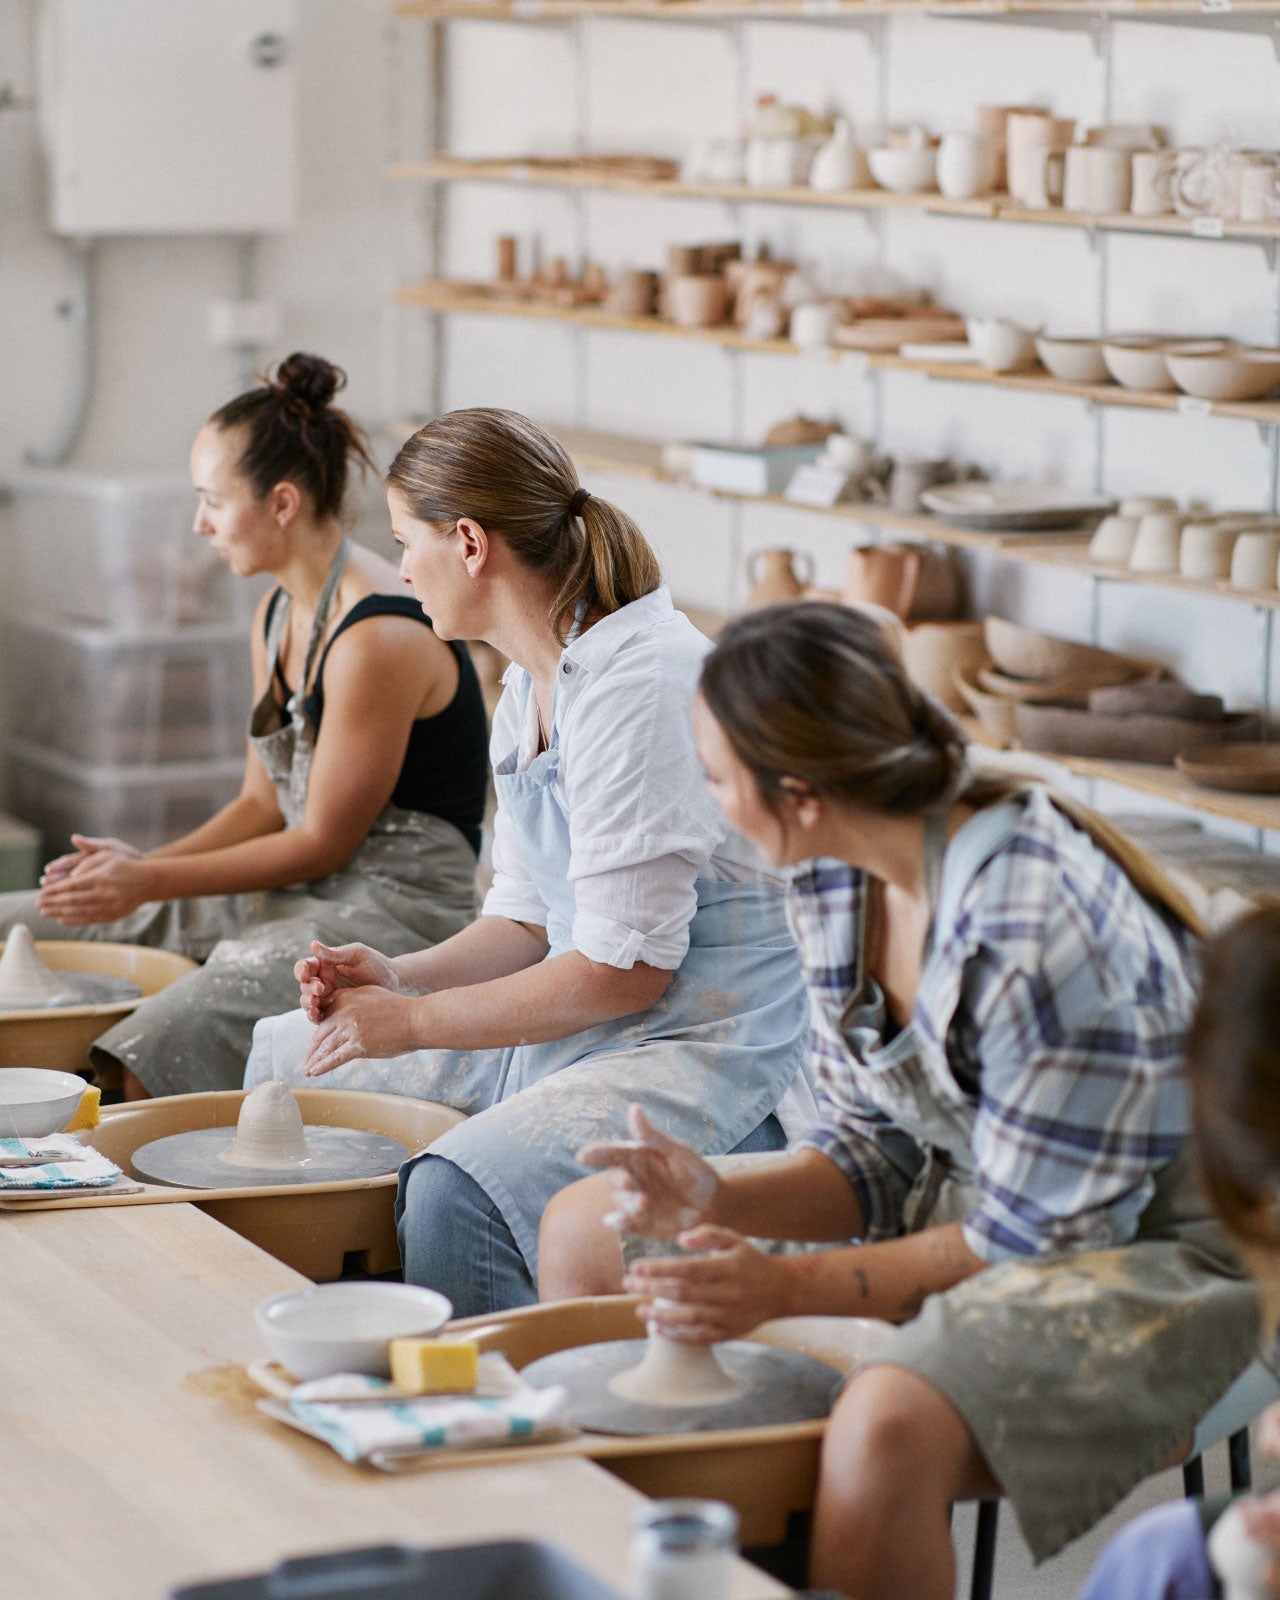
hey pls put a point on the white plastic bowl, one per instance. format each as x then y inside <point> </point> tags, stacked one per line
<point>35,1102</point>
<point>345,1327</point>
<point>909,170</point>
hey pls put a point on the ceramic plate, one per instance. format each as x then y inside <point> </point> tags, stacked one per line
<point>996,506</point>
<point>1244,768</point>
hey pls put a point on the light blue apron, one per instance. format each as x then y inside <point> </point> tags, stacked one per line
<point>709,1061</point>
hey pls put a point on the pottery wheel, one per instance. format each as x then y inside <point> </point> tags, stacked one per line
<point>195,1160</point>
<point>783,1386</point>
<point>79,989</point>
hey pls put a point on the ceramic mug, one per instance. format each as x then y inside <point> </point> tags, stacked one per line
<point>1254,559</point>
<point>883,575</point>
<point>1110,185</point>
<point>695,300</point>
<point>812,323</point>
<point>1152,174</point>
<point>1026,133</point>
<point>1204,552</point>
<point>1112,541</point>
<point>1156,548</point>
<point>993,124</point>
<point>847,453</point>
<point>1043,179</point>
<point>1195,187</point>
<point>909,478</point>
<point>1075,178</point>
<point>634,294</point>
<point>966,166</point>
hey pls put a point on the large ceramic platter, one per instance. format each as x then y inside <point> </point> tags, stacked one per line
<point>1000,506</point>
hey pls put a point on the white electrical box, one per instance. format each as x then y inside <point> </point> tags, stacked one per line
<point>169,116</point>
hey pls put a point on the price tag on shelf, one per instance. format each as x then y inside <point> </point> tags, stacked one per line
<point>1207,228</point>
<point>1190,405</point>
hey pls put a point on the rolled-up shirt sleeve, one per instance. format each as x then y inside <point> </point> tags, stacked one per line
<point>878,1160</point>
<point>642,827</point>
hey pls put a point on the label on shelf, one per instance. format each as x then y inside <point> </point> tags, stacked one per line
<point>1208,227</point>
<point>1190,405</point>
<point>812,485</point>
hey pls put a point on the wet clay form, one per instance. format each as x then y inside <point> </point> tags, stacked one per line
<point>28,984</point>
<point>657,1386</point>
<point>269,1145</point>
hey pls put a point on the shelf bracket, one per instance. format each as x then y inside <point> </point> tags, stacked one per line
<point>1266,626</point>
<point>1266,431</point>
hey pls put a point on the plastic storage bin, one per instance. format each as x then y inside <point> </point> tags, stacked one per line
<point>119,550</point>
<point>146,805</point>
<point>117,699</point>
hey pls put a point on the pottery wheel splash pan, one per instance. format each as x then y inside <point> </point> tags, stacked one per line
<point>782,1386</point>
<point>195,1160</point>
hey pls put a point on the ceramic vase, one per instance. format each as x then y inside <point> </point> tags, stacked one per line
<point>774,578</point>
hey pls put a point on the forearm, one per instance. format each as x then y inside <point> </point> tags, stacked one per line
<point>489,948</point>
<point>890,1279</point>
<point>246,817</point>
<point>551,1000</point>
<point>265,861</point>
<point>801,1195</point>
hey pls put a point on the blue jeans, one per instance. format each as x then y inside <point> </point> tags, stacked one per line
<point>454,1239</point>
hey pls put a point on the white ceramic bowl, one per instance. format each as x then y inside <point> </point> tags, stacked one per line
<point>345,1327</point>
<point>1225,372</point>
<point>904,171</point>
<point>1138,362</point>
<point>35,1102</point>
<point>1073,360</point>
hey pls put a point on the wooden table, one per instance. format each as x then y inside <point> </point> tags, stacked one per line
<point>134,1459</point>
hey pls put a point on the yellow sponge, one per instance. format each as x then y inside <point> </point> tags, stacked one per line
<point>87,1111</point>
<point>434,1366</point>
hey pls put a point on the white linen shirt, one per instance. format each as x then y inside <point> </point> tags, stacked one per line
<point>642,827</point>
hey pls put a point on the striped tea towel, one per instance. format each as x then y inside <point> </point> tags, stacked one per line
<point>504,1410</point>
<point>59,1147</point>
<point>86,1169</point>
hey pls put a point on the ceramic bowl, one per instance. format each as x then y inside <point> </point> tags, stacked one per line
<point>1113,539</point>
<point>905,171</point>
<point>1061,730</point>
<point>936,652</point>
<point>1245,768</point>
<point>1156,547</point>
<point>1073,360</point>
<point>1026,653</point>
<point>1254,559</point>
<point>35,1102</point>
<point>346,1326</point>
<point>1204,551</point>
<point>1138,362</point>
<point>995,715</point>
<point>1225,372</point>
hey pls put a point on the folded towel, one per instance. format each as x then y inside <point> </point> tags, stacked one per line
<point>59,1147</point>
<point>86,1169</point>
<point>361,1426</point>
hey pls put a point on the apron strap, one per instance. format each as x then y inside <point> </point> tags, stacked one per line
<point>275,636</point>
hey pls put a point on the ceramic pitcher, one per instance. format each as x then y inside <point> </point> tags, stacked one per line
<point>774,578</point>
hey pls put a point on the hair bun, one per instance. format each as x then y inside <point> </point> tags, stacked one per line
<point>311,379</point>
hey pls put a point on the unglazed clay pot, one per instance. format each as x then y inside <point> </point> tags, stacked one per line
<point>697,301</point>
<point>883,575</point>
<point>634,294</point>
<point>774,578</point>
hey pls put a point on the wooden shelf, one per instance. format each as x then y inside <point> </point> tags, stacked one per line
<point>442,294</point>
<point>545,173</point>
<point>832,10</point>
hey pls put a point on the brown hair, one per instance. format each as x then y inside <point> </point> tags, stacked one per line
<point>296,434</point>
<point>515,480</point>
<point>1233,1059</point>
<point>819,692</point>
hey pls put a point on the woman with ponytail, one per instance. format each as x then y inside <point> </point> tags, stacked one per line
<point>632,945</point>
<point>365,776</point>
<point>1000,992</point>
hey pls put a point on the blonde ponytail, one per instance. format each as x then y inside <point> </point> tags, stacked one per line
<point>520,484</point>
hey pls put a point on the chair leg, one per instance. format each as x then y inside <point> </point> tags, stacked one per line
<point>984,1550</point>
<point>1193,1478</point>
<point>1238,1457</point>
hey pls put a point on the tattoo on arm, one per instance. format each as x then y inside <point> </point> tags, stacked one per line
<point>864,1288</point>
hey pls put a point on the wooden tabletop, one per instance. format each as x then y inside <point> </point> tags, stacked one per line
<point>134,1457</point>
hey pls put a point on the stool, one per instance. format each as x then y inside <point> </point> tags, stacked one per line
<point>1253,1391</point>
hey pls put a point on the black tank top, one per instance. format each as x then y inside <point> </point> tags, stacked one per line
<point>446,765</point>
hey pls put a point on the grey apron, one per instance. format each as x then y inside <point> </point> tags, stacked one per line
<point>411,883</point>
<point>1078,1374</point>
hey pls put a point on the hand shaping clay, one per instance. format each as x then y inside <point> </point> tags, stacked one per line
<point>269,1130</point>
<point>675,1374</point>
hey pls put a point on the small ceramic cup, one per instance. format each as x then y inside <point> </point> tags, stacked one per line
<point>1255,559</point>
<point>812,324</point>
<point>1204,552</point>
<point>1113,539</point>
<point>967,166</point>
<point>697,301</point>
<point>634,294</point>
<point>1156,546</point>
<point>1043,176</point>
<point>1152,185</point>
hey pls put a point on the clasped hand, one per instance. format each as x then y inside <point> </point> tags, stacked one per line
<point>359,1005</point>
<point>101,880</point>
<point>665,1190</point>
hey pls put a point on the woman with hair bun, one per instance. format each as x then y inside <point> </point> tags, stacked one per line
<point>632,945</point>
<point>364,785</point>
<point>1000,990</point>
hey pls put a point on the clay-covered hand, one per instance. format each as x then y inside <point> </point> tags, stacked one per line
<point>1261,1520</point>
<point>660,1186</point>
<point>330,968</point>
<point>361,1024</point>
<point>722,1293</point>
<point>85,846</point>
<point>102,887</point>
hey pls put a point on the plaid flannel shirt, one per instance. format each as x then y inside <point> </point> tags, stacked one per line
<point>1050,1021</point>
